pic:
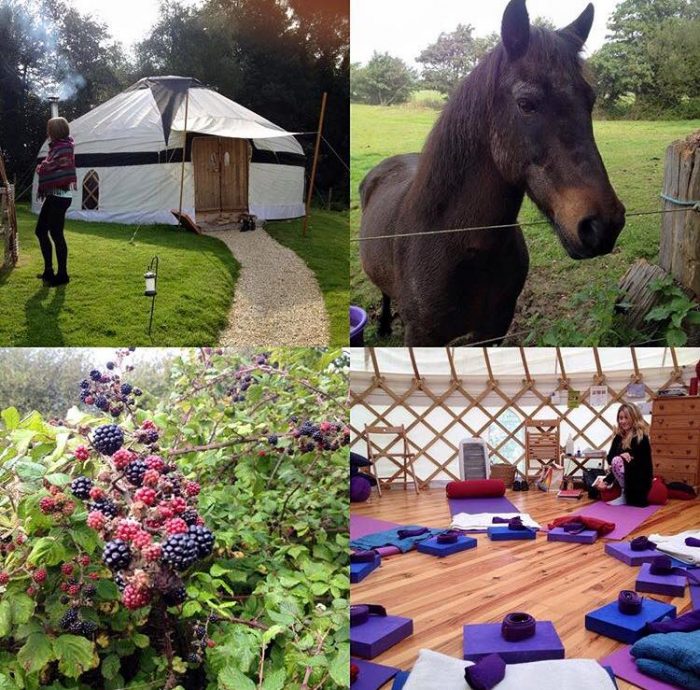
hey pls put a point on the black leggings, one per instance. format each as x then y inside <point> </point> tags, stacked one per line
<point>51,221</point>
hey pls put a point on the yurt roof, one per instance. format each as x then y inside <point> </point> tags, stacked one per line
<point>143,117</point>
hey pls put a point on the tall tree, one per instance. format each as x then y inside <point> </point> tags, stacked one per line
<point>385,80</point>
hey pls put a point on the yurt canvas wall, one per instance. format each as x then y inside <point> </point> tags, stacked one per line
<point>129,154</point>
<point>445,395</point>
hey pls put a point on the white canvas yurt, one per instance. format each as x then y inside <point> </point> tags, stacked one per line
<point>129,154</point>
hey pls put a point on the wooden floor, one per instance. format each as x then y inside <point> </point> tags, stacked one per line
<point>550,580</point>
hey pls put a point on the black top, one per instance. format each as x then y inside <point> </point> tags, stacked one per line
<point>639,471</point>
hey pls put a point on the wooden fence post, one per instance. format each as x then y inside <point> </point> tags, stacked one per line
<point>679,252</point>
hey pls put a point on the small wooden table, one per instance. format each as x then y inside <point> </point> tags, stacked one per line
<point>581,460</point>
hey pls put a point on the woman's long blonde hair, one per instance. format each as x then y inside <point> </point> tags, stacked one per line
<point>639,426</point>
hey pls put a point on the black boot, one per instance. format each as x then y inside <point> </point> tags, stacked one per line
<point>59,279</point>
<point>47,276</point>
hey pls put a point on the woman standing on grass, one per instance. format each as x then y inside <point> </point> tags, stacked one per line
<point>56,180</point>
<point>629,458</point>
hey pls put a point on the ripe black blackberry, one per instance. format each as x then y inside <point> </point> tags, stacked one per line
<point>149,436</point>
<point>116,554</point>
<point>104,506</point>
<point>65,599</point>
<point>120,581</point>
<point>69,617</point>
<point>272,439</point>
<point>204,538</point>
<point>88,628</point>
<point>80,487</point>
<point>85,384</point>
<point>89,591</point>
<point>190,516</point>
<point>95,375</point>
<point>76,627</point>
<point>199,630</point>
<point>194,658</point>
<point>134,472</point>
<point>175,596</point>
<point>108,439</point>
<point>101,403</point>
<point>126,388</point>
<point>317,436</point>
<point>110,365</point>
<point>180,551</point>
<point>137,392</point>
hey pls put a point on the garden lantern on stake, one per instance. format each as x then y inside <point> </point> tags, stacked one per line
<point>151,278</point>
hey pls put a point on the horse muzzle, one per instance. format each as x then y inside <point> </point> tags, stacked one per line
<point>597,235</point>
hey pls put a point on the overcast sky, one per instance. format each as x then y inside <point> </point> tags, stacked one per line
<point>129,21</point>
<point>403,28</point>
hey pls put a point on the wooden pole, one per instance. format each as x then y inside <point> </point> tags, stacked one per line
<point>184,153</point>
<point>315,162</point>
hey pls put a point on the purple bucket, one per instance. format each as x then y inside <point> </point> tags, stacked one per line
<point>358,321</point>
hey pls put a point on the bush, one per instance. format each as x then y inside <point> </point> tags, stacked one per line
<point>247,450</point>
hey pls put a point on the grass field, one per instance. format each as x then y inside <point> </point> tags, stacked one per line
<point>104,304</point>
<point>561,295</point>
<point>325,251</point>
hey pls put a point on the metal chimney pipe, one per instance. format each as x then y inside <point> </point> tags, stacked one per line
<point>54,106</point>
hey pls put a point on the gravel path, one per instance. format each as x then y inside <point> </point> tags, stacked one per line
<point>277,299</point>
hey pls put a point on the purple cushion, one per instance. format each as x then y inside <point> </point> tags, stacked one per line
<point>360,489</point>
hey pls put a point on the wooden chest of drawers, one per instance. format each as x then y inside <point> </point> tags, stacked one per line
<point>675,439</point>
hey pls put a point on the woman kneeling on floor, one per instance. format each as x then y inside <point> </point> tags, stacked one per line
<point>630,459</point>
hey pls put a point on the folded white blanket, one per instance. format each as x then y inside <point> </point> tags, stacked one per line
<point>484,520</point>
<point>434,671</point>
<point>674,545</point>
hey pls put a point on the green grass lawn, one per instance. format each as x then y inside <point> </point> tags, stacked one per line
<point>633,152</point>
<point>104,305</point>
<point>325,251</point>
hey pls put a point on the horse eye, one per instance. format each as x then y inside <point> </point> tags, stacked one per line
<point>526,106</point>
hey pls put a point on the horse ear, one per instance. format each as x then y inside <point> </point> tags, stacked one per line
<point>515,29</point>
<point>580,27</point>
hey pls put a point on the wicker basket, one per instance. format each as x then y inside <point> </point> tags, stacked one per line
<point>503,472</point>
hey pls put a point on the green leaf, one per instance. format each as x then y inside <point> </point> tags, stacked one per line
<point>676,337</point>
<point>340,665</point>
<point>85,538</point>
<point>140,640</point>
<point>232,679</point>
<point>36,652</point>
<point>11,418</point>
<point>693,318</point>
<point>5,618</point>
<point>110,666</point>
<point>218,570</point>
<point>191,608</point>
<point>106,589</point>
<point>6,683</point>
<point>271,633</point>
<point>58,478</point>
<point>48,551</point>
<point>22,607</point>
<point>75,655</point>
<point>274,680</point>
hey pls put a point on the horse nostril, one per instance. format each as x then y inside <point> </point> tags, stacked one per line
<point>598,236</point>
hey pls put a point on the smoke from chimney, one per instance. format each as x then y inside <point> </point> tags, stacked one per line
<point>54,106</point>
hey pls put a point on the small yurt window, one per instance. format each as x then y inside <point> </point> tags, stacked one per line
<point>91,191</point>
<point>513,449</point>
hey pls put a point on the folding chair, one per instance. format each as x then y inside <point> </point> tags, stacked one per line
<point>402,459</point>
<point>542,445</point>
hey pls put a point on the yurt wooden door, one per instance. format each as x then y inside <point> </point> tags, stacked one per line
<point>220,174</point>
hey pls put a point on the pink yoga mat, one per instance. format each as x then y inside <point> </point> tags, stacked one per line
<point>481,505</point>
<point>623,665</point>
<point>626,518</point>
<point>361,526</point>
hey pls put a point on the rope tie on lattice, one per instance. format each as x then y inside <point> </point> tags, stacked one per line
<point>692,204</point>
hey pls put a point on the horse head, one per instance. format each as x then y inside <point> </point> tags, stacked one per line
<point>541,130</point>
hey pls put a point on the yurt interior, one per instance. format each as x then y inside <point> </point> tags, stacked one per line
<point>519,515</point>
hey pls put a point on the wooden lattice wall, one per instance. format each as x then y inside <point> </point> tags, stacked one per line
<point>462,402</point>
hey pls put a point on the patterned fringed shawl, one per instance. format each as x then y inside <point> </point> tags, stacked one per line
<point>57,170</point>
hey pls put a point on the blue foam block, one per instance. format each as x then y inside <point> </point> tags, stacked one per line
<point>378,634</point>
<point>482,639</point>
<point>400,680</point>
<point>431,546</point>
<point>671,585</point>
<point>588,536</point>
<point>359,571</point>
<point>627,628</point>
<point>506,534</point>
<point>622,550</point>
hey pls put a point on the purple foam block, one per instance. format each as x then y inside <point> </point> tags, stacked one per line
<point>622,550</point>
<point>695,596</point>
<point>433,548</point>
<point>378,634</point>
<point>372,676</point>
<point>359,571</point>
<point>588,536</point>
<point>671,585</point>
<point>485,638</point>
<point>625,627</point>
<point>506,534</point>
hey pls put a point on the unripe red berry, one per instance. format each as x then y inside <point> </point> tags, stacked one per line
<point>122,458</point>
<point>74,590</point>
<point>68,508</point>
<point>176,526</point>
<point>134,598</point>
<point>21,538</point>
<point>148,424</point>
<point>211,643</point>
<point>155,462</point>
<point>89,400</point>
<point>31,591</point>
<point>179,504</point>
<point>152,552</point>
<point>67,569</point>
<point>39,576</point>
<point>84,560</point>
<point>94,576</point>
<point>96,493</point>
<point>47,505</point>
<point>324,427</point>
<point>64,586</point>
<point>151,477</point>
<point>192,488</point>
<point>81,453</point>
<point>96,520</point>
<point>4,578</point>
<point>142,539</point>
<point>146,495</point>
<point>127,529</point>
<point>54,490</point>
<point>165,510</point>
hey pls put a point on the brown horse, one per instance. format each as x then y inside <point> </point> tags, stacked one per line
<point>519,123</point>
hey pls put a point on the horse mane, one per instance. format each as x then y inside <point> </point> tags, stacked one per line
<point>459,140</point>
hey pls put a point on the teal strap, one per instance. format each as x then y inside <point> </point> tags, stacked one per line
<point>694,205</point>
